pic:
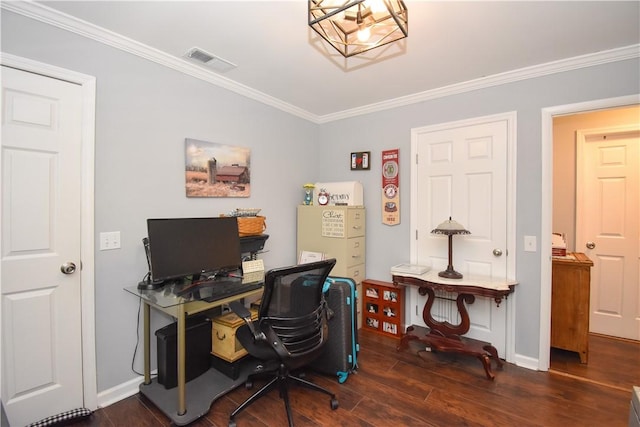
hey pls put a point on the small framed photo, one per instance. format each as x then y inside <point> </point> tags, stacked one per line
<point>361,160</point>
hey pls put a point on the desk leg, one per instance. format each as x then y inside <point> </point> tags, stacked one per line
<point>182,327</point>
<point>147,344</point>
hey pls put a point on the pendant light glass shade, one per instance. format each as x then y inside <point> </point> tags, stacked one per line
<point>356,26</point>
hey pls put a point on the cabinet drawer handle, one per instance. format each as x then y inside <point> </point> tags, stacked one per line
<point>357,227</point>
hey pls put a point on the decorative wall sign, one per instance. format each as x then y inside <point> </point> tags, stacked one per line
<point>216,170</point>
<point>360,160</point>
<point>390,187</point>
<point>333,223</point>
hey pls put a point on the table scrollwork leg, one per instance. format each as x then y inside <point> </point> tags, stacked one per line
<point>494,354</point>
<point>408,336</point>
<point>486,363</point>
<point>445,328</point>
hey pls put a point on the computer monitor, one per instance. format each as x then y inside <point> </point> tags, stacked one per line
<point>180,247</point>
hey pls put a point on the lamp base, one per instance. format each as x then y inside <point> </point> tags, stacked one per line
<point>450,273</point>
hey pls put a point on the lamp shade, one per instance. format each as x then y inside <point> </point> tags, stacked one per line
<point>356,26</point>
<point>450,227</point>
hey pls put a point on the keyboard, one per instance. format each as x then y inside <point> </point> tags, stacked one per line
<point>215,290</point>
<point>225,289</point>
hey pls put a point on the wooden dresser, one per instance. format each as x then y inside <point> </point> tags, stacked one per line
<point>571,279</point>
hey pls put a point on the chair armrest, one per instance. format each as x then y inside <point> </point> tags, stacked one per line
<point>238,308</point>
<point>243,312</point>
<point>276,343</point>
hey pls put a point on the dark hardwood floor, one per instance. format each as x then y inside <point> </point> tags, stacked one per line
<point>432,389</point>
<point>613,362</point>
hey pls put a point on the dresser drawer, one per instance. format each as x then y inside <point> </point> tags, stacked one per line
<point>354,251</point>
<point>355,223</point>
<point>356,272</point>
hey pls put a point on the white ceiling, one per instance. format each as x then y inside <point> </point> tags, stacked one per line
<point>281,60</point>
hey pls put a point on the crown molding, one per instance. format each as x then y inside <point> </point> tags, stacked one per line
<point>583,61</point>
<point>61,20</point>
<point>67,22</point>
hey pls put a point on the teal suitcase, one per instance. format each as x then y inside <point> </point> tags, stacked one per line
<point>339,357</point>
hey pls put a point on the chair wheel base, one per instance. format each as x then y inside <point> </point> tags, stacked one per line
<point>334,403</point>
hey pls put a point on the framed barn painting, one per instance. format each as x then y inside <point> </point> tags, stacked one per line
<point>217,170</point>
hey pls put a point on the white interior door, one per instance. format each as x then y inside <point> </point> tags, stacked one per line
<point>607,224</point>
<point>461,171</point>
<point>41,193</point>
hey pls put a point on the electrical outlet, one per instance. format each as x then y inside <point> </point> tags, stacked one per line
<point>530,243</point>
<point>109,240</point>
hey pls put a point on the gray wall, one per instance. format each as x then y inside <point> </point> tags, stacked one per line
<point>145,111</point>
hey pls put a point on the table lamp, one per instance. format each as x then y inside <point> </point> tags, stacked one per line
<point>450,227</point>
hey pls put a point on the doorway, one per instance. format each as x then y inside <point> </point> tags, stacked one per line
<point>83,157</point>
<point>552,194</point>
<point>465,170</point>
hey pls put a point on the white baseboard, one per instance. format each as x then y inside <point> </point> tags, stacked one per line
<point>527,362</point>
<point>121,391</point>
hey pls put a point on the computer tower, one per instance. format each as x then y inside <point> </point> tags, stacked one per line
<point>197,350</point>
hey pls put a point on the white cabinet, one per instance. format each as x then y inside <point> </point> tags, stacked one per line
<point>338,232</point>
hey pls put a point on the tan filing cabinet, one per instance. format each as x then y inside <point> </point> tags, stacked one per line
<point>338,232</point>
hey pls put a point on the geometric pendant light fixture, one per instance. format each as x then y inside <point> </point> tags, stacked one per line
<point>356,26</point>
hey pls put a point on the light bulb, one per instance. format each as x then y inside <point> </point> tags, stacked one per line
<point>364,33</point>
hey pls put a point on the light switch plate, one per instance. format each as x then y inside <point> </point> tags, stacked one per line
<point>109,240</point>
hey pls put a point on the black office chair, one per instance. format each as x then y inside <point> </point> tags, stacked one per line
<point>290,331</point>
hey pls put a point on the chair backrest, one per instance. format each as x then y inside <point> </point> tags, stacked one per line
<point>293,305</point>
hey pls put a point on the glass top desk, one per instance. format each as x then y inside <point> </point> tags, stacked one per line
<point>204,389</point>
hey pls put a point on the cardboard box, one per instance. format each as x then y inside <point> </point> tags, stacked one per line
<point>348,193</point>
<point>224,343</point>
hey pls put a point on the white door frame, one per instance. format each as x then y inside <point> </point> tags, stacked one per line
<point>88,85</point>
<point>546,208</point>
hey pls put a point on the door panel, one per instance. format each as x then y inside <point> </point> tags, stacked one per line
<point>608,215</point>
<point>41,306</point>
<point>461,172</point>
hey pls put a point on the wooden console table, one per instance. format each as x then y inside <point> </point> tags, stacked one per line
<point>444,336</point>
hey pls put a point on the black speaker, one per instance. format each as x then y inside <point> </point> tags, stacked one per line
<point>197,350</point>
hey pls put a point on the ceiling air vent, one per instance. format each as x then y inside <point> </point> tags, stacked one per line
<point>205,58</point>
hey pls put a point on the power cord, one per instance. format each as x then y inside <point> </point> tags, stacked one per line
<point>135,350</point>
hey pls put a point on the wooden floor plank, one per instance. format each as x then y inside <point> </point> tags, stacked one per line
<point>417,388</point>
